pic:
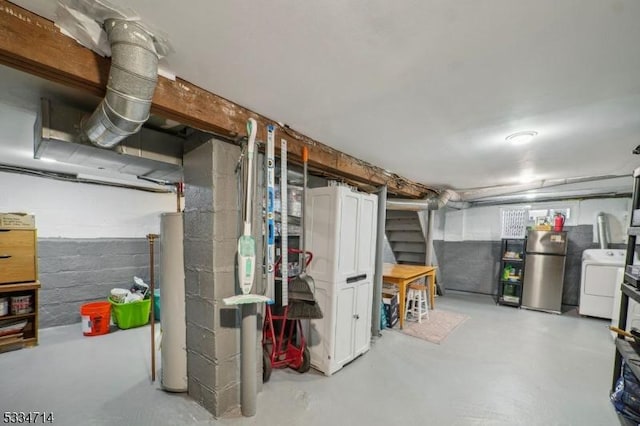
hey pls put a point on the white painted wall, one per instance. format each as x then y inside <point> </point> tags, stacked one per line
<point>483,223</point>
<point>454,225</point>
<point>74,210</point>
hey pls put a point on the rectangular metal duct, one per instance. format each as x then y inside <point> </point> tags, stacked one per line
<point>148,153</point>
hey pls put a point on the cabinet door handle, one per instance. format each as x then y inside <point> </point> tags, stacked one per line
<point>5,256</point>
<point>356,316</point>
<point>356,278</point>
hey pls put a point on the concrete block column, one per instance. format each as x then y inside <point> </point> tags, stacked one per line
<point>211,228</point>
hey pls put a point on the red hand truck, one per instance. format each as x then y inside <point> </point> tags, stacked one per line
<point>283,342</point>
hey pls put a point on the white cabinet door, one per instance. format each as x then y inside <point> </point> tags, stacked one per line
<point>321,219</point>
<point>344,325</point>
<point>367,234</point>
<point>347,234</point>
<point>362,317</point>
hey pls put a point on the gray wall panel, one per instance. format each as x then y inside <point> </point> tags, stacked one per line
<point>469,265</point>
<point>474,265</point>
<point>73,272</point>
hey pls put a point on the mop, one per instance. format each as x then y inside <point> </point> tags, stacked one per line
<point>248,301</point>
<point>246,242</point>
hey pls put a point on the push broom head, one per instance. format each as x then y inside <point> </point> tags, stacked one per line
<point>300,309</point>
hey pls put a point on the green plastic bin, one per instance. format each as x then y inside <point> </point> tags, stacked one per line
<point>130,315</point>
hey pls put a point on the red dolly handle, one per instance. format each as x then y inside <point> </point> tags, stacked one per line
<point>308,255</point>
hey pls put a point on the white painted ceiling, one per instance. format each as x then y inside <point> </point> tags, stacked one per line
<point>427,89</point>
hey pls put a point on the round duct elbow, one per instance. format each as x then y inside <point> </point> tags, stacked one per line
<point>132,81</point>
<point>430,203</point>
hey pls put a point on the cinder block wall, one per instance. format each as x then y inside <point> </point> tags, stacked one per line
<point>211,230</point>
<point>74,271</point>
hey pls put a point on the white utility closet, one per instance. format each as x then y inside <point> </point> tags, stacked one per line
<point>341,234</point>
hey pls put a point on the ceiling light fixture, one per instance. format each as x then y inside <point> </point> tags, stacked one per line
<point>520,138</point>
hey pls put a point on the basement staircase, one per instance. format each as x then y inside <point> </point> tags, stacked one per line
<point>405,235</point>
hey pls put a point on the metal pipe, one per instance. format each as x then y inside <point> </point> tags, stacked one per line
<point>587,194</point>
<point>429,238</point>
<point>132,81</point>
<point>430,255</point>
<point>377,275</point>
<point>429,203</point>
<point>603,240</point>
<point>248,368</point>
<point>464,198</point>
<point>179,195</point>
<point>494,191</point>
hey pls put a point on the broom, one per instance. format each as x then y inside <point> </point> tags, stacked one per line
<point>303,309</point>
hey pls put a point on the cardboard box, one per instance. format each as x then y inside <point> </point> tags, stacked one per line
<point>17,221</point>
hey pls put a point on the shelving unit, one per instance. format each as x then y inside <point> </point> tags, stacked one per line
<point>634,230</point>
<point>294,179</point>
<point>293,221</point>
<point>18,277</point>
<point>29,335</point>
<point>629,289</point>
<point>510,284</point>
<point>624,349</point>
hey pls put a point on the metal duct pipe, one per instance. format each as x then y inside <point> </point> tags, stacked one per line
<point>430,203</point>
<point>132,81</point>
<point>603,240</point>
<point>377,275</point>
<point>429,238</point>
<point>494,191</point>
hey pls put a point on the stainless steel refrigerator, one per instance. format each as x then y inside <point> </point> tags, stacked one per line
<point>544,270</point>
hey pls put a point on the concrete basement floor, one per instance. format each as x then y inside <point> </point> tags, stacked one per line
<point>503,366</point>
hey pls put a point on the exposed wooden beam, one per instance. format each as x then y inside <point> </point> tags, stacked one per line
<point>33,44</point>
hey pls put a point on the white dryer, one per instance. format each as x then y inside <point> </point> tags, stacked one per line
<point>599,281</point>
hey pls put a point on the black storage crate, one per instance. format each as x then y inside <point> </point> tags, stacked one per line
<point>391,309</point>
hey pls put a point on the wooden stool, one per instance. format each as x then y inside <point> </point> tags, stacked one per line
<point>417,296</point>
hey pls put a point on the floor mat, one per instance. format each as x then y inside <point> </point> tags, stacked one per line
<point>436,329</point>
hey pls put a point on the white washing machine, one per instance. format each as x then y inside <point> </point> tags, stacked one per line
<point>599,281</point>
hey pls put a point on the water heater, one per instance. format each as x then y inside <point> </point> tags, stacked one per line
<point>172,304</point>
